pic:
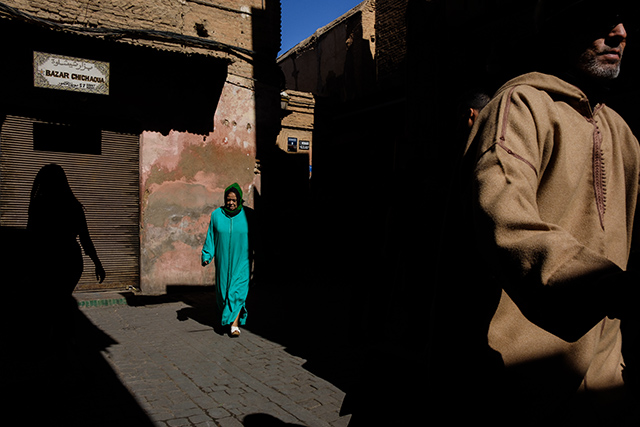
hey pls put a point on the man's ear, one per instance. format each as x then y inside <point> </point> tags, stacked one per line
<point>472,116</point>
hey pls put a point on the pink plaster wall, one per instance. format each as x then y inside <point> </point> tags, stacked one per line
<point>183,177</point>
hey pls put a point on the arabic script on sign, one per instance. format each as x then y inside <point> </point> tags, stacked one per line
<point>68,73</point>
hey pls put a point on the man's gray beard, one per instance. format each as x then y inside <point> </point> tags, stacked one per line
<point>590,66</point>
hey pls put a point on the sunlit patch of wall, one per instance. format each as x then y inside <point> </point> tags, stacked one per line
<point>183,177</point>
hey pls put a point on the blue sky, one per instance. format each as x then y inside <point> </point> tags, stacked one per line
<point>301,18</point>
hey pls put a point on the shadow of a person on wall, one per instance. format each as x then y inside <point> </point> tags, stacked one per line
<point>52,346</point>
<point>56,222</point>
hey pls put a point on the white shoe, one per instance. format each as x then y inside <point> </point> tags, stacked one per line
<point>235,331</point>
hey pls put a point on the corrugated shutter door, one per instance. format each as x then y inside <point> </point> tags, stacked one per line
<point>106,184</point>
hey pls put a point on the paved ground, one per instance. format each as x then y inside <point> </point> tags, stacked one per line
<point>184,373</point>
<point>159,362</point>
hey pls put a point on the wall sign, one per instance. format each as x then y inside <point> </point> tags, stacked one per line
<point>68,73</point>
<point>304,145</point>
<point>292,144</point>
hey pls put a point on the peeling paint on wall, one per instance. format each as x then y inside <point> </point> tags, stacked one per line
<point>183,177</point>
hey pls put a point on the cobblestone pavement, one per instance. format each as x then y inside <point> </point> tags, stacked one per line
<point>182,372</point>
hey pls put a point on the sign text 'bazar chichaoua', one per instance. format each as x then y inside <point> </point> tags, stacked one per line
<point>68,73</point>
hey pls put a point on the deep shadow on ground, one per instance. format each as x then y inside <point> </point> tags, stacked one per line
<point>58,375</point>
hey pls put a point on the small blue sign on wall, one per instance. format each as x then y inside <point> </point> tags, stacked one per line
<point>292,144</point>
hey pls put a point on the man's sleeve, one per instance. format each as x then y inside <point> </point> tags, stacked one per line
<point>558,283</point>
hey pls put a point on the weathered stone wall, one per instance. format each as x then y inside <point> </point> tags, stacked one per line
<point>230,23</point>
<point>338,59</point>
<point>391,41</point>
<point>298,121</point>
<point>183,175</point>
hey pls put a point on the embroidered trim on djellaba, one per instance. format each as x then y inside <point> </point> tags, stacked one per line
<point>599,171</point>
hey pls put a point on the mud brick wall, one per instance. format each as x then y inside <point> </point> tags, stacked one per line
<point>183,175</point>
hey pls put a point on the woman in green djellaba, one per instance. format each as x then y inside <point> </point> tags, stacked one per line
<point>227,243</point>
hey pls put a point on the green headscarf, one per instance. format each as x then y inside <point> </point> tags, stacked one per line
<point>235,188</point>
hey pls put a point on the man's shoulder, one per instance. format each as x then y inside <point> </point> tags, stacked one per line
<point>539,85</point>
<point>526,92</point>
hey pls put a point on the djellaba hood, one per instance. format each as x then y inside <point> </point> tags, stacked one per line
<point>233,188</point>
<point>556,88</point>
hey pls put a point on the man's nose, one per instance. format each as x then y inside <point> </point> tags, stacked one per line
<point>618,32</point>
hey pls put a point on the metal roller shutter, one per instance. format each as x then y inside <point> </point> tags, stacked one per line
<point>107,184</point>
